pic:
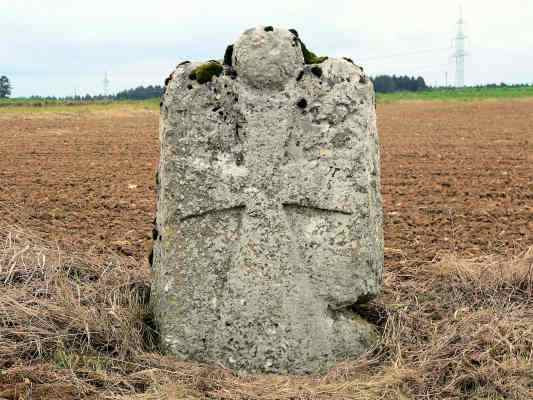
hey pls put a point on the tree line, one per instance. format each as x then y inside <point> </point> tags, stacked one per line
<point>382,84</point>
<point>390,84</point>
<point>138,93</point>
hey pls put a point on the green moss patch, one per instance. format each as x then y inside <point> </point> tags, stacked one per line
<point>205,72</point>
<point>310,57</point>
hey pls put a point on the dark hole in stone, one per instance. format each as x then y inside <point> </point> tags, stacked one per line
<point>155,233</point>
<point>348,59</point>
<point>269,29</point>
<point>189,86</point>
<point>237,136</point>
<point>192,76</point>
<point>232,74</point>
<point>228,54</point>
<point>221,113</point>
<point>294,32</point>
<point>297,143</point>
<point>239,159</point>
<point>302,103</point>
<point>300,76</point>
<point>183,63</point>
<point>216,109</point>
<point>372,312</point>
<point>167,81</point>
<point>151,258</point>
<point>161,104</point>
<point>317,71</point>
<point>363,79</point>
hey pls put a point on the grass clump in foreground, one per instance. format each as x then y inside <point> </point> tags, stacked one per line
<point>77,326</point>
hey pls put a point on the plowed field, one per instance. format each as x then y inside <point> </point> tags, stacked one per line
<point>456,177</point>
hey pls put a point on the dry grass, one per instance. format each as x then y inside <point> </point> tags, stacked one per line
<point>77,326</point>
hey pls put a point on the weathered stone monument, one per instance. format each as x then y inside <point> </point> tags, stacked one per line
<point>269,215</point>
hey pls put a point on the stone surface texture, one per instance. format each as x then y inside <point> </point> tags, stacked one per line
<point>269,217</point>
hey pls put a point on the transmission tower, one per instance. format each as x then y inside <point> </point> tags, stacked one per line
<point>460,52</point>
<point>106,85</point>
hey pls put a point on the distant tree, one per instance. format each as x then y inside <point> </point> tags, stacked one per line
<point>384,84</point>
<point>5,87</point>
<point>421,84</point>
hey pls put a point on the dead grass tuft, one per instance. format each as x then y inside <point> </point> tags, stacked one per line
<point>74,326</point>
<point>488,280</point>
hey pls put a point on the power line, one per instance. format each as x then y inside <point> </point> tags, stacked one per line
<point>460,52</point>
<point>409,53</point>
<point>106,85</point>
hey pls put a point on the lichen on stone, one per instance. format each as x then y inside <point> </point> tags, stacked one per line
<point>205,72</point>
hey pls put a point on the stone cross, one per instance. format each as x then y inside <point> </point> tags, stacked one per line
<point>269,222</point>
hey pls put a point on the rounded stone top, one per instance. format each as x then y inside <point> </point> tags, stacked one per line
<point>267,57</point>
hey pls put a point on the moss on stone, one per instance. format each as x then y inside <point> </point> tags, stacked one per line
<point>205,72</point>
<point>310,57</point>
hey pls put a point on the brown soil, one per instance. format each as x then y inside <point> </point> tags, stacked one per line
<point>457,181</point>
<point>456,177</point>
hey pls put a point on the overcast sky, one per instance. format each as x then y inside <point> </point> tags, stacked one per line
<point>57,47</point>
